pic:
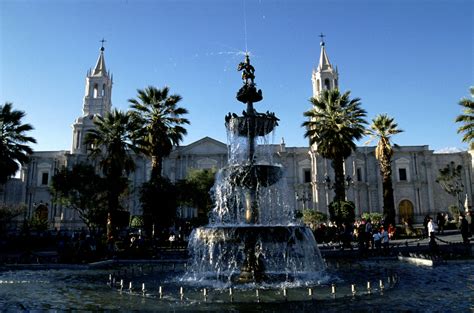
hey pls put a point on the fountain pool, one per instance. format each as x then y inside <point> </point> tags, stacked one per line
<point>446,288</point>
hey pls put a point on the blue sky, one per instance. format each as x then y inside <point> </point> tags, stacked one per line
<point>410,59</point>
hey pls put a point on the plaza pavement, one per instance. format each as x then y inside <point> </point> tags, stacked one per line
<point>449,242</point>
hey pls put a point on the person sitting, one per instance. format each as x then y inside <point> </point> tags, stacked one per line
<point>391,231</point>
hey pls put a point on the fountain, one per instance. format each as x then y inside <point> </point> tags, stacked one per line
<point>252,236</point>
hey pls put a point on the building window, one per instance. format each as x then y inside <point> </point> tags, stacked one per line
<point>335,83</point>
<point>327,84</point>
<point>44,179</point>
<point>359,174</point>
<point>103,90</point>
<point>307,175</point>
<point>78,139</point>
<point>96,91</point>
<point>402,174</point>
<point>318,88</point>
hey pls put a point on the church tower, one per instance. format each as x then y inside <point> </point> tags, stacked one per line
<point>325,77</point>
<point>97,101</point>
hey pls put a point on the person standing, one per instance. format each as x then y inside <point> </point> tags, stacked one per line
<point>431,229</point>
<point>377,237</point>
<point>440,221</point>
<point>361,238</point>
<point>464,229</point>
<point>425,225</point>
<point>368,232</point>
<point>468,218</point>
<point>385,241</point>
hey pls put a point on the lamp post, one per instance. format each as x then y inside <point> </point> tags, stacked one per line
<point>303,197</point>
<point>329,184</point>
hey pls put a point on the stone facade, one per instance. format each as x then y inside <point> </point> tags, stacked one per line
<point>308,175</point>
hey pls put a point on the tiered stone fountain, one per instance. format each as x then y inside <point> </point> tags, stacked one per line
<point>252,235</point>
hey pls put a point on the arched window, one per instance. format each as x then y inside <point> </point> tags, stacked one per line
<point>327,84</point>
<point>103,90</point>
<point>96,91</point>
<point>318,87</point>
<point>336,84</point>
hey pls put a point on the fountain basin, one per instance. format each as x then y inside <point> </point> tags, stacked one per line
<point>251,175</point>
<point>263,125</point>
<point>219,251</point>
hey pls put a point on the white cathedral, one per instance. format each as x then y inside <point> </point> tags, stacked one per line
<point>415,168</point>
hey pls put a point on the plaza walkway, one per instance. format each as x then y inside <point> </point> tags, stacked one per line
<point>448,243</point>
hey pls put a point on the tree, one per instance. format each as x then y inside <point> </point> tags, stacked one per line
<point>158,199</point>
<point>450,180</point>
<point>112,143</point>
<point>14,141</point>
<point>382,128</point>
<point>342,212</point>
<point>195,190</point>
<point>333,124</point>
<point>467,120</point>
<point>162,124</point>
<point>82,190</point>
<point>312,218</point>
<point>8,213</point>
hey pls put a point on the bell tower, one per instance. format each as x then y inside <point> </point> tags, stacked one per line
<point>324,77</point>
<point>97,101</point>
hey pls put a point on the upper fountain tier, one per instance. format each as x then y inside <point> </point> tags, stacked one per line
<point>251,123</point>
<point>258,124</point>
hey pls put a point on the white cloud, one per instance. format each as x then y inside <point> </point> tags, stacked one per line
<point>449,150</point>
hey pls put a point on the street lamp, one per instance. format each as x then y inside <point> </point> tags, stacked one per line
<point>303,197</point>
<point>329,184</point>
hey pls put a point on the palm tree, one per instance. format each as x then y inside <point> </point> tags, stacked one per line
<point>467,118</point>
<point>14,142</point>
<point>111,143</point>
<point>162,124</point>
<point>382,128</point>
<point>333,124</point>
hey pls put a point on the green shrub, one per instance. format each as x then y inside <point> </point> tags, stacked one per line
<point>312,218</point>
<point>342,212</point>
<point>375,217</point>
<point>136,221</point>
<point>454,210</point>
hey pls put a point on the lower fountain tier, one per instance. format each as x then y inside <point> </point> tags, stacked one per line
<point>220,251</point>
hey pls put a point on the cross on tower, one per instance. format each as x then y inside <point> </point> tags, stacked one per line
<point>322,38</point>
<point>102,41</point>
